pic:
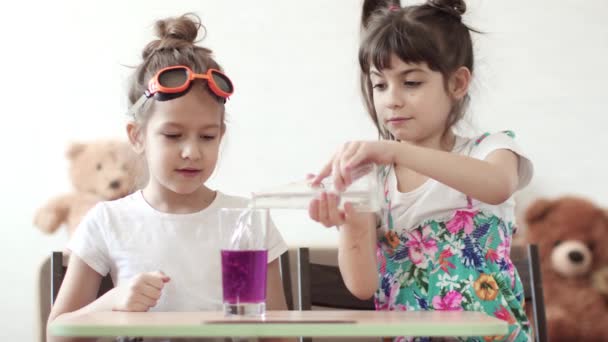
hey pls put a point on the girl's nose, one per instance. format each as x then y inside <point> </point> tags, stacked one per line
<point>394,98</point>
<point>191,151</point>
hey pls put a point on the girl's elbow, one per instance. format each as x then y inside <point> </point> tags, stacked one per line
<point>51,318</point>
<point>498,199</point>
<point>502,192</point>
<point>364,295</point>
<point>499,196</point>
<point>363,292</point>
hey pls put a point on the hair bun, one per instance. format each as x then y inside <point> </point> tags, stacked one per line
<point>454,7</point>
<point>174,33</point>
<point>183,28</point>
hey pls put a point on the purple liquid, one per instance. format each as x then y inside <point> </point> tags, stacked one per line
<point>244,276</point>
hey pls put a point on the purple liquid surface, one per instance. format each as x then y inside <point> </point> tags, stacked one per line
<point>244,276</point>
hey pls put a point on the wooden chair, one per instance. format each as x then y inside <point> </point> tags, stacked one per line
<point>527,262</point>
<point>285,268</point>
<point>321,285</point>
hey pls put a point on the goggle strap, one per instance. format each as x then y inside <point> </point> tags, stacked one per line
<point>137,105</point>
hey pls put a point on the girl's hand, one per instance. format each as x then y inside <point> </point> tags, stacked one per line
<point>325,210</point>
<point>142,292</point>
<point>354,154</point>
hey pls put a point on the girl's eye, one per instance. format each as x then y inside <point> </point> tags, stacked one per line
<point>379,86</point>
<point>208,137</point>
<point>412,84</point>
<point>172,135</point>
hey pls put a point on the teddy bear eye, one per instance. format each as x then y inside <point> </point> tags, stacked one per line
<point>99,166</point>
<point>591,245</point>
<point>556,243</point>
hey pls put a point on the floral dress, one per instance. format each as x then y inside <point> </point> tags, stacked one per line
<point>456,260</point>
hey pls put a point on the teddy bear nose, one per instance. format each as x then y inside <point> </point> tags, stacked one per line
<point>576,257</point>
<point>115,184</point>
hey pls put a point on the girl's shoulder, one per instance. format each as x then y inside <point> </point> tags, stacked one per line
<point>481,145</point>
<point>131,203</point>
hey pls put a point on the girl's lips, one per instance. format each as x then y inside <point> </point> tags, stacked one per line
<point>397,121</point>
<point>188,172</point>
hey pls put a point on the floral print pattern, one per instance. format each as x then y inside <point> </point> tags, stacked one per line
<point>461,263</point>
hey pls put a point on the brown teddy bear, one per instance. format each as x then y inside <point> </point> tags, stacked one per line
<point>99,170</point>
<point>572,235</point>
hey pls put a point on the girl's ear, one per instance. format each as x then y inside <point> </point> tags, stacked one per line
<point>459,83</point>
<point>223,130</point>
<point>135,134</point>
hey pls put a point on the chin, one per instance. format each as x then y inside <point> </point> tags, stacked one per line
<point>400,136</point>
<point>184,188</point>
<point>187,190</point>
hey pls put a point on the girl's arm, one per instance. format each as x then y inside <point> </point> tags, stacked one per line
<point>356,244</point>
<point>81,285</point>
<point>275,294</point>
<point>491,181</point>
<point>77,294</point>
<point>357,254</point>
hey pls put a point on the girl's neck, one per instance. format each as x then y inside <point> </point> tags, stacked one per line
<point>167,201</point>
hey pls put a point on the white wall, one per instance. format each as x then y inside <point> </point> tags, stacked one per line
<point>541,72</point>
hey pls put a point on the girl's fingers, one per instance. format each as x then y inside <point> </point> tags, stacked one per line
<point>346,156</point>
<point>313,210</point>
<point>356,160</point>
<point>349,210</point>
<point>150,291</point>
<point>325,171</point>
<point>154,279</point>
<point>337,176</point>
<point>333,212</point>
<point>133,307</point>
<point>139,298</point>
<point>165,278</point>
<point>323,218</point>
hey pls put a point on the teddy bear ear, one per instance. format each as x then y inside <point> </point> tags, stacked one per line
<point>538,210</point>
<point>74,150</point>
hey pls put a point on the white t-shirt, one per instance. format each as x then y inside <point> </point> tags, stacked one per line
<point>127,236</point>
<point>436,201</point>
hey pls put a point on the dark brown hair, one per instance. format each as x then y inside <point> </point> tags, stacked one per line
<point>176,45</point>
<point>431,33</point>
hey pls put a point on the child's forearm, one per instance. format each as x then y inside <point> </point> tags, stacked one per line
<point>357,258</point>
<point>103,303</point>
<point>488,182</point>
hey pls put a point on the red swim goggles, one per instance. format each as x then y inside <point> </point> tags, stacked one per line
<point>175,81</point>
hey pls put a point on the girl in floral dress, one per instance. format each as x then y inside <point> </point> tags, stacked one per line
<point>443,237</point>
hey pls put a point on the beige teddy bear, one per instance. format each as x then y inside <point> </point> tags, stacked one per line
<point>99,170</point>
